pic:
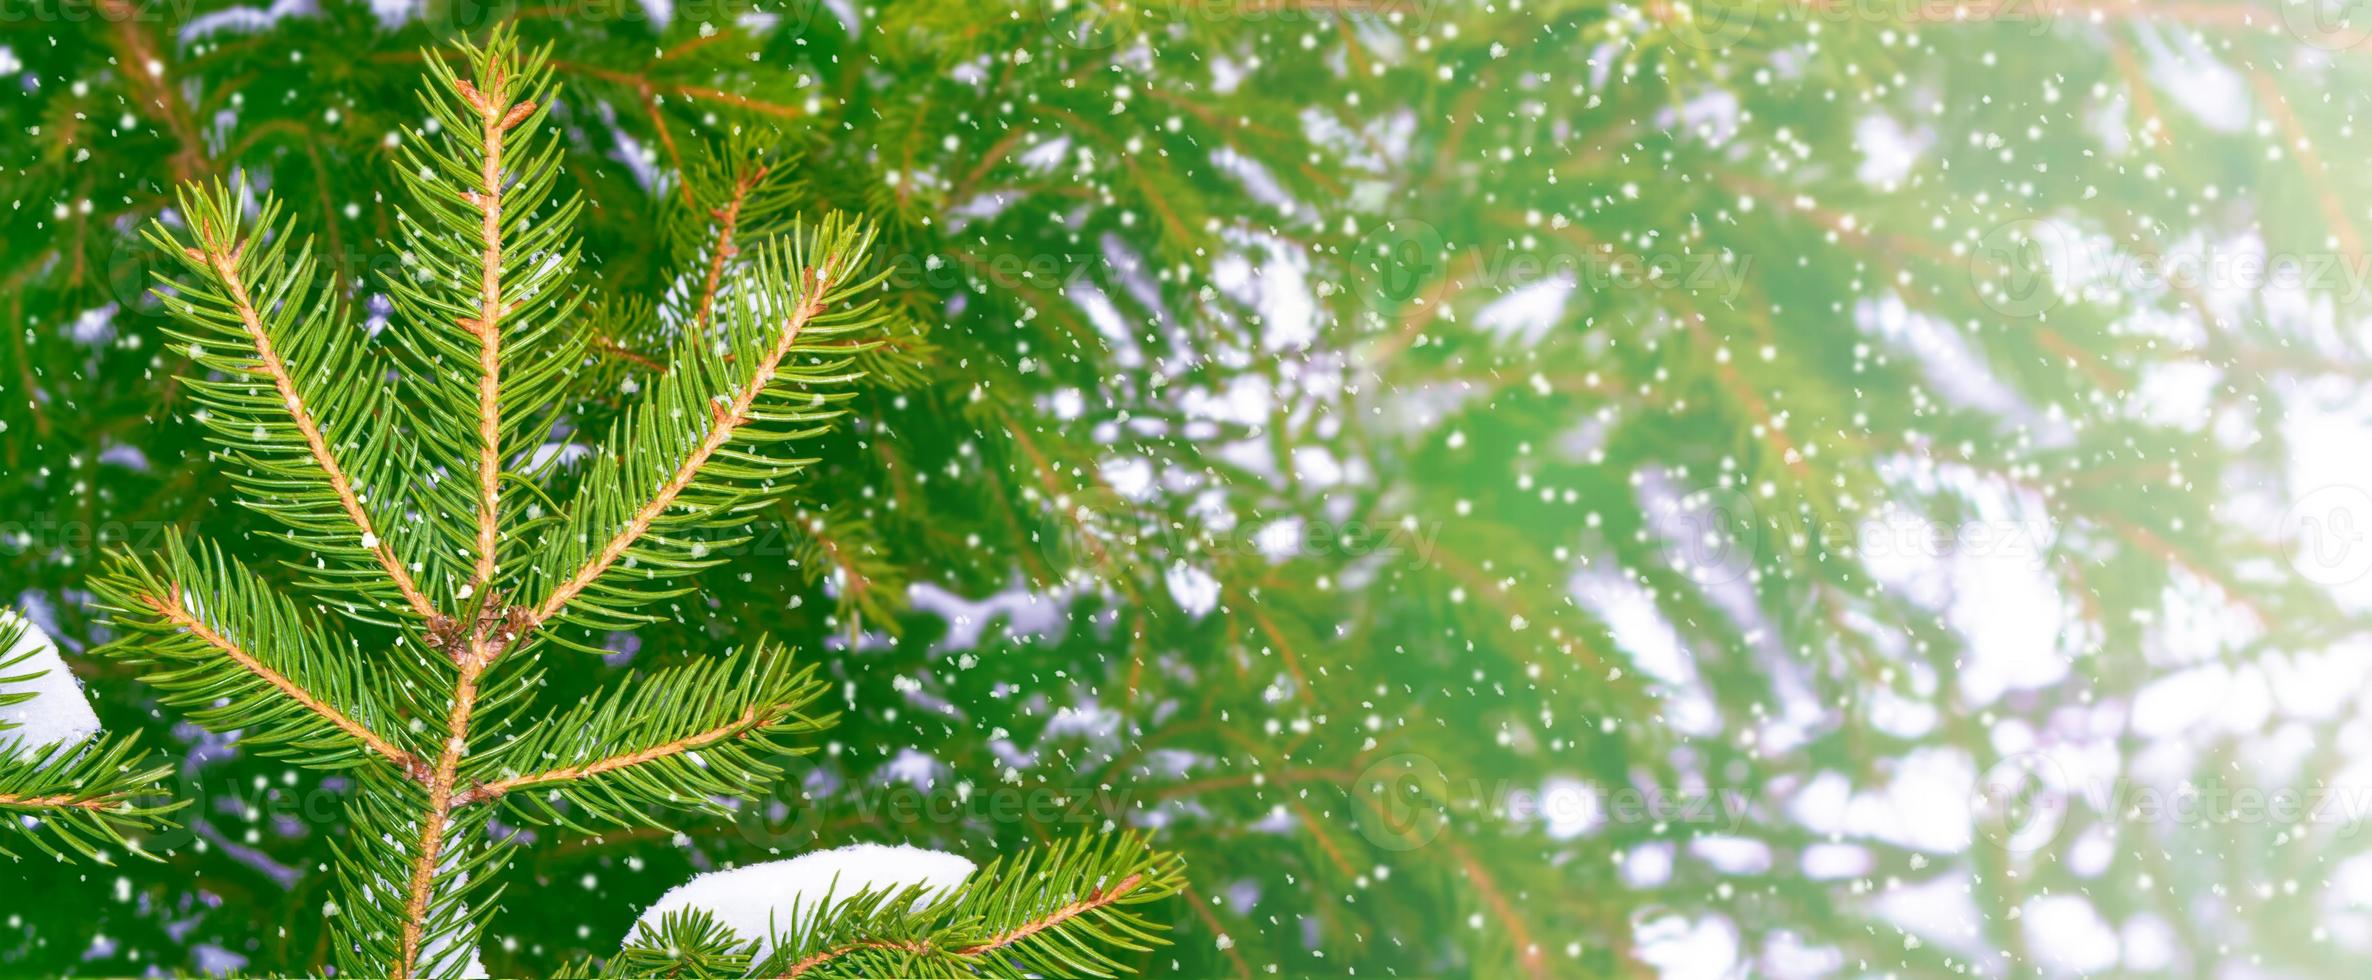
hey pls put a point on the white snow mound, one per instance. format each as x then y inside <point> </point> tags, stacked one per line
<point>758,901</point>
<point>58,711</point>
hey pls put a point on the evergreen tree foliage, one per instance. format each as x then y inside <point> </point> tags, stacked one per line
<point>1046,913</point>
<point>87,799</point>
<point>1329,440</point>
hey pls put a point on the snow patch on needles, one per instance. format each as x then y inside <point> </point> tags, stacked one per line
<point>760,901</point>
<point>58,712</point>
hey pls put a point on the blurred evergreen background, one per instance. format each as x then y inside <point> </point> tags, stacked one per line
<point>1506,488</point>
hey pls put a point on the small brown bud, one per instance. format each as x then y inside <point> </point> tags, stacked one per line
<point>517,115</point>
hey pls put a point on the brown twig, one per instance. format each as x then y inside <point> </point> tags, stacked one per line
<point>728,220</point>
<point>604,345</point>
<point>62,801</point>
<point>133,55</point>
<point>495,119</point>
<point>2319,176</point>
<point>440,809</point>
<point>488,791</point>
<point>642,83</point>
<point>1528,951</point>
<point>495,630</point>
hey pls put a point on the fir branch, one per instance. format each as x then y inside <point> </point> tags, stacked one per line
<point>171,608</point>
<point>229,253</point>
<point>1049,912</point>
<point>612,348</point>
<point>923,947</point>
<point>740,384</point>
<point>686,943</point>
<point>290,688</point>
<point>711,729</point>
<point>485,337</point>
<point>738,725</point>
<point>134,56</point>
<point>491,289</point>
<point>81,797</point>
<point>64,801</point>
<point>380,923</point>
<point>850,553</point>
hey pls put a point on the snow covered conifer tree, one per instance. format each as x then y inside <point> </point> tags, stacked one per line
<point>442,557</point>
